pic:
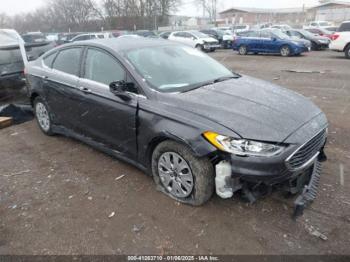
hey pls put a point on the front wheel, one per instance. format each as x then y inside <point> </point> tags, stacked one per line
<point>285,51</point>
<point>199,47</point>
<point>181,175</point>
<point>243,50</point>
<point>42,115</point>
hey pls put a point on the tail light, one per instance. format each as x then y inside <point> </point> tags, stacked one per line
<point>335,37</point>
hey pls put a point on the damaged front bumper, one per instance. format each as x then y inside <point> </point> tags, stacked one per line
<point>258,179</point>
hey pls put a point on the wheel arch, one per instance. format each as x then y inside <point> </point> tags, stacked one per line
<point>346,46</point>
<point>33,96</point>
<point>199,150</point>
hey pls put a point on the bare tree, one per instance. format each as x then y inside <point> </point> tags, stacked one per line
<point>209,8</point>
<point>4,20</point>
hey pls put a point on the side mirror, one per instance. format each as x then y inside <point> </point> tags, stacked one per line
<point>274,39</point>
<point>119,88</point>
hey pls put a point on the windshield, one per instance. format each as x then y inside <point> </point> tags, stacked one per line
<point>280,34</point>
<point>307,33</point>
<point>176,68</point>
<point>324,24</point>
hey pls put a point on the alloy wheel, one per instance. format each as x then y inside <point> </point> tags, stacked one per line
<point>243,50</point>
<point>175,174</point>
<point>42,116</point>
<point>285,51</point>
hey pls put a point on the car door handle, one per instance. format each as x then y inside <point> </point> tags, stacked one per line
<point>85,90</point>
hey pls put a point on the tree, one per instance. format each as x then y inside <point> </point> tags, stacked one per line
<point>4,20</point>
<point>209,8</point>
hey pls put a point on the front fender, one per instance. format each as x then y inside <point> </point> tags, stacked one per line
<point>154,129</point>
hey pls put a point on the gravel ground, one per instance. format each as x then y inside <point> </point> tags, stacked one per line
<point>58,196</point>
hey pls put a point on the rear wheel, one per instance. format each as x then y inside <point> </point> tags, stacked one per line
<point>42,115</point>
<point>243,50</point>
<point>285,51</point>
<point>347,52</point>
<point>181,175</point>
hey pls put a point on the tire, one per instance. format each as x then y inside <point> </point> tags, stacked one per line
<point>243,50</point>
<point>43,116</point>
<point>199,189</point>
<point>212,50</point>
<point>199,48</point>
<point>315,47</point>
<point>347,52</point>
<point>285,51</point>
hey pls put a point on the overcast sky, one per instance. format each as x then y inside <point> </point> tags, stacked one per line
<point>188,8</point>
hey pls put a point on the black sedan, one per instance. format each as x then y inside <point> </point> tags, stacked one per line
<point>180,116</point>
<point>317,42</point>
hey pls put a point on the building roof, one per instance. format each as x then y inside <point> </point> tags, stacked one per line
<point>263,10</point>
<point>331,2</point>
<point>282,10</point>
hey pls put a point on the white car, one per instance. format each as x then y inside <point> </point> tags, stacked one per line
<point>341,43</point>
<point>195,39</point>
<point>318,24</point>
<point>84,37</point>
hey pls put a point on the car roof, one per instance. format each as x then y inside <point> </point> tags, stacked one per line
<point>125,43</point>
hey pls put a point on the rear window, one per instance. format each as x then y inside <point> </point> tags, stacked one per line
<point>345,27</point>
<point>10,56</point>
<point>68,61</point>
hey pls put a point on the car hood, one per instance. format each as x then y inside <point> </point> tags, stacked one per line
<point>252,108</point>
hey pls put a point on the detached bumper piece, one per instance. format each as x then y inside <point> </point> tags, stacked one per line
<point>310,191</point>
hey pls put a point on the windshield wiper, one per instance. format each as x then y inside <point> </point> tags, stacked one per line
<point>222,79</point>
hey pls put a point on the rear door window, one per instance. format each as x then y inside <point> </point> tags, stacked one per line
<point>102,67</point>
<point>48,60</point>
<point>68,61</point>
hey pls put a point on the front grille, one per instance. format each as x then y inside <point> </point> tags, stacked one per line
<point>307,151</point>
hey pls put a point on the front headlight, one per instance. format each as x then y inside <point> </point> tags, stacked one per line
<point>296,42</point>
<point>242,147</point>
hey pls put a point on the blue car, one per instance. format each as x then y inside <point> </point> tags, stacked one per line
<point>271,41</point>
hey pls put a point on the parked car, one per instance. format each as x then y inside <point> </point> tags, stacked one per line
<point>318,24</point>
<point>321,32</point>
<point>317,42</point>
<point>195,39</point>
<point>282,27</point>
<point>271,41</point>
<point>344,27</point>
<point>224,37</point>
<point>165,35</point>
<point>52,37</point>
<point>182,117</point>
<point>64,38</point>
<point>84,37</point>
<point>34,37</point>
<point>12,59</point>
<point>341,43</point>
<point>146,33</point>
